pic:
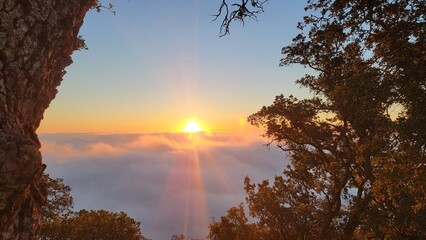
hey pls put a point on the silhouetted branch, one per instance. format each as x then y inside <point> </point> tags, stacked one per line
<point>108,7</point>
<point>242,10</point>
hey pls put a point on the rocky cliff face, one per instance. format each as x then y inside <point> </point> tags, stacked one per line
<point>37,38</point>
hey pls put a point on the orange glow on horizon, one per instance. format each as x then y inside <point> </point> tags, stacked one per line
<point>169,122</point>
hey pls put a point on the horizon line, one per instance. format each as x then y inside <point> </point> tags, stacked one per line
<point>156,132</point>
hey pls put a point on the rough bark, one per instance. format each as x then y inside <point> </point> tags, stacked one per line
<point>37,38</point>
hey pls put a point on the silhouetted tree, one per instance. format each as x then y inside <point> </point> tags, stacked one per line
<point>237,11</point>
<point>357,147</point>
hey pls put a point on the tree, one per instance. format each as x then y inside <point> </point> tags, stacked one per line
<point>60,222</point>
<point>178,237</point>
<point>356,171</point>
<point>37,39</point>
<point>238,11</point>
<point>234,226</point>
<point>92,225</point>
<point>59,202</point>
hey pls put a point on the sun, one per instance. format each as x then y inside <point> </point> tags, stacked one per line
<point>192,126</point>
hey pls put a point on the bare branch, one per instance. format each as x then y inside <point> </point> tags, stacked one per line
<point>237,12</point>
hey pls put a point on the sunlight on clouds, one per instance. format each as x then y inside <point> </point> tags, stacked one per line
<point>170,181</point>
<point>173,143</point>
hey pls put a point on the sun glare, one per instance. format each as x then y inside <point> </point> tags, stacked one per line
<point>192,126</point>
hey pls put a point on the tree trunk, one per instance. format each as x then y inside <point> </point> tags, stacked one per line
<point>37,38</point>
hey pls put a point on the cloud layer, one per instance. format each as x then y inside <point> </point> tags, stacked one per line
<point>172,182</point>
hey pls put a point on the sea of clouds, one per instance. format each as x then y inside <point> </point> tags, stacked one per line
<point>173,183</point>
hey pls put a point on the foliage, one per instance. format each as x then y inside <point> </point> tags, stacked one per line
<point>59,200</point>
<point>234,226</point>
<point>61,223</point>
<point>178,237</point>
<point>357,148</point>
<point>99,6</point>
<point>92,225</point>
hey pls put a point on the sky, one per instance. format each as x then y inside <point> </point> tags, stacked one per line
<point>113,133</point>
<point>156,64</point>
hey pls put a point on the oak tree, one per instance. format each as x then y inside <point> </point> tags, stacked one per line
<point>357,148</point>
<point>36,40</point>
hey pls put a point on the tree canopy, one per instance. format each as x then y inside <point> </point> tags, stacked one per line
<point>235,226</point>
<point>61,223</point>
<point>357,147</point>
<point>90,225</point>
<point>178,237</point>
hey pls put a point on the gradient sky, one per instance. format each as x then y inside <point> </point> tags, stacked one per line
<point>156,64</point>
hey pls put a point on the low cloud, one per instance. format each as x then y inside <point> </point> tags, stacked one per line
<point>172,182</point>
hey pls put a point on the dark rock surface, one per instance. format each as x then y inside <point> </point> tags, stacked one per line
<point>37,38</point>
